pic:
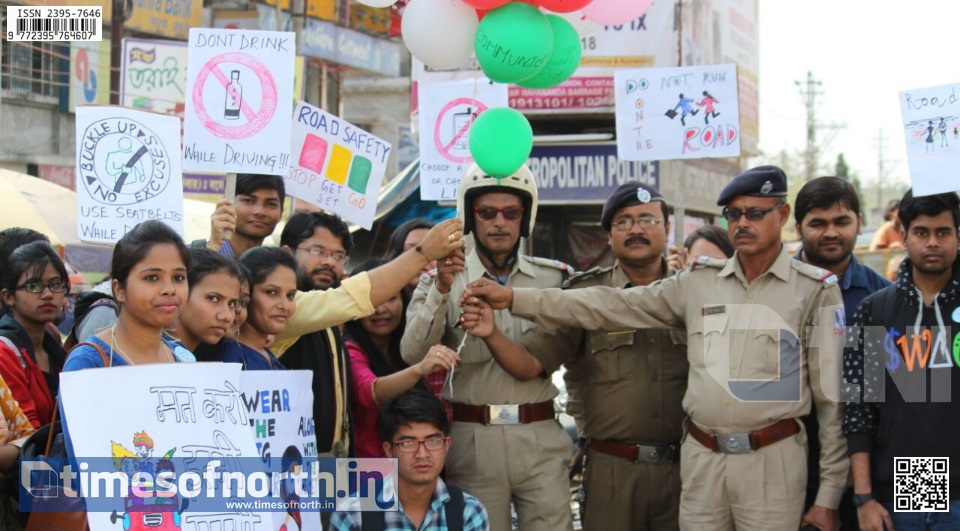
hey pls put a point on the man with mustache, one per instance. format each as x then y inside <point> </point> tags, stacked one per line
<point>902,378</point>
<point>762,343</point>
<point>626,386</point>
<point>507,445</point>
<point>828,220</point>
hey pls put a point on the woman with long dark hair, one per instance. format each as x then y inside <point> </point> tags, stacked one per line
<point>405,237</point>
<point>149,280</point>
<point>210,310</point>
<point>35,283</point>
<point>379,373</point>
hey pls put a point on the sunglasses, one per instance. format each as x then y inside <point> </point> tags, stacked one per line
<point>754,214</point>
<point>489,213</point>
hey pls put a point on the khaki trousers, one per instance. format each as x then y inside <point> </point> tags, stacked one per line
<point>525,464</point>
<point>757,491</point>
<point>627,496</point>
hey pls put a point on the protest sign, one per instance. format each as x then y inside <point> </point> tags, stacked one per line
<point>931,118</point>
<point>336,165</point>
<point>689,112</point>
<point>128,171</point>
<point>172,417</point>
<point>236,117</point>
<point>447,110</point>
<point>280,408</point>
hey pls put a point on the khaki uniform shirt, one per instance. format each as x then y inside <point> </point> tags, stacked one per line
<point>739,336</point>
<point>625,385</point>
<point>478,379</point>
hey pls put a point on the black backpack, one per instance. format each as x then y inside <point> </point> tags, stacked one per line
<point>376,521</point>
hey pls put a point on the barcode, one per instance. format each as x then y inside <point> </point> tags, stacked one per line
<point>57,24</point>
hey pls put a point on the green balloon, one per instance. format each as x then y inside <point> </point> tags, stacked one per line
<point>513,42</point>
<point>564,59</point>
<point>501,140</point>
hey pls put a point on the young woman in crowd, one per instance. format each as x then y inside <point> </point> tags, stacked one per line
<point>379,373</point>
<point>406,237</point>
<point>709,240</point>
<point>273,285</point>
<point>34,282</point>
<point>149,271</point>
<point>210,310</point>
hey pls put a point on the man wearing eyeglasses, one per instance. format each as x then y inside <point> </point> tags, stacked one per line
<point>416,431</point>
<point>758,355</point>
<point>625,387</point>
<point>507,444</point>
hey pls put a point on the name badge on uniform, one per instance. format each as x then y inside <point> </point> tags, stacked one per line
<point>839,321</point>
<point>713,310</point>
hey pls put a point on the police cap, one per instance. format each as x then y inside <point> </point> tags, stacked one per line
<point>628,194</point>
<point>762,181</point>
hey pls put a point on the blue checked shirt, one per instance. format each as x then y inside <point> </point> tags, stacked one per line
<point>474,516</point>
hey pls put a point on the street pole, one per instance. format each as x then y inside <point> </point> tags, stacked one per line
<point>116,50</point>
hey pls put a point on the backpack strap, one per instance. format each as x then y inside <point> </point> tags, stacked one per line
<point>453,510</point>
<point>56,407</point>
<point>373,521</point>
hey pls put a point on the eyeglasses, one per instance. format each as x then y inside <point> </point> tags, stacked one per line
<point>410,446</point>
<point>625,224</point>
<point>489,213</point>
<point>35,286</point>
<point>339,257</point>
<point>754,214</point>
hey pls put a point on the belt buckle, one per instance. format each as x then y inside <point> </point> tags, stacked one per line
<point>504,414</point>
<point>647,454</point>
<point>734,443</point>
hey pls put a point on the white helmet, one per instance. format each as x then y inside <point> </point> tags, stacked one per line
<point>476,182</point>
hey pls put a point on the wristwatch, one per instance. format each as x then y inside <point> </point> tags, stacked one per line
<point>860,499</point>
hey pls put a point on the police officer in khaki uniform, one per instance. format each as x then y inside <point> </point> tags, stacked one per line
<point>758,356</point>
<point>507,445</point>
<point>626,386</point>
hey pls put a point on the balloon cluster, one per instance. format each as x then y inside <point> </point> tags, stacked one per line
<point>514,42</point>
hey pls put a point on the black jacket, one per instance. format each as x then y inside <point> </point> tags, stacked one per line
<point>902,382</point>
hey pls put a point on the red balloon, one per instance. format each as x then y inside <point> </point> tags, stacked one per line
<point>564,6</point>
<point>485,4</point>
<point>480,14</point>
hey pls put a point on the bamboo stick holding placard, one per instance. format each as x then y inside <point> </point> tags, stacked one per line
<point>229,192</point>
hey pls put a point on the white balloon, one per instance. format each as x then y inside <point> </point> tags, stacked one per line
<point>377,3</point>
<point>439,33</point>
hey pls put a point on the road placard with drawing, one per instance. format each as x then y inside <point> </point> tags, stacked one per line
<point>238,86</point>
<point>931,127</point>
<point>447,110</point>
<point>128,171</point>
<point>336,165</point>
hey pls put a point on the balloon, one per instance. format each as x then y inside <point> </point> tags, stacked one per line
<point>564,6</point>
<point>615,12</point>
<point>377,3</point>
<point>501,140</point>
<point>445,45</point>
<point>513,42</point>
<point>564,59</point>
<point>485,4</point>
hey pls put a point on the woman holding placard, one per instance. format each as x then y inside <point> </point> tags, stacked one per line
<point>273,285</point>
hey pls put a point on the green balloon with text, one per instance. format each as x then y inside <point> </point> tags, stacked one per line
<point>513,42</point>
<point>501,140</point>
<point>564,58</point>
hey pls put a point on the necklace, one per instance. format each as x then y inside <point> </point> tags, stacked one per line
<point>114,345</point>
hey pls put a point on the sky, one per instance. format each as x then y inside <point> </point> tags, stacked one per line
<point>864,53</point>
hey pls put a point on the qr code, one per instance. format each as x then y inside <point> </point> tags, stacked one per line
<point>921,484</point>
